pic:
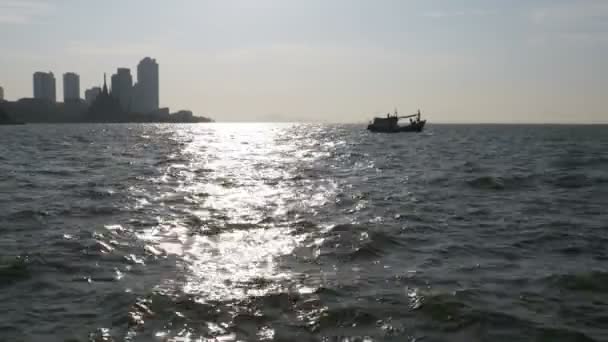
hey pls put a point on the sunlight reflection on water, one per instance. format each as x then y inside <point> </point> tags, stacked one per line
<point>236,183</point>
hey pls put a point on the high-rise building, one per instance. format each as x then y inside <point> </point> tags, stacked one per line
<point>44,86</point>
<point>137,101</point>
<point>91,94</point>
<point>1,94</point>
<point>71,87</point>
<point>122,88</point>
<point>146,91</point>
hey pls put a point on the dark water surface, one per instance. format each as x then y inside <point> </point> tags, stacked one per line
<point>301,232</point>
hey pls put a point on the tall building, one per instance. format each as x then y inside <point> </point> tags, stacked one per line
<point>122,88</point>
<point>91,94</point>
<point>146,91</point>
<point>44,86</point>
<point>105,107</point>
<point>1,94</point>
<point>71,87</point>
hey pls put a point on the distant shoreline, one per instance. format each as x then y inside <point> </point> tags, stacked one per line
<point>34,111</point>
<point>104,123</point>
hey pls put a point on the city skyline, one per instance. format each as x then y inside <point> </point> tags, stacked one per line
<point>141,96</point>
<point>120,101</point>
<point>345,61</point>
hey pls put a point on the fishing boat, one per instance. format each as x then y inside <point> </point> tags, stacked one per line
<point>390,124</point>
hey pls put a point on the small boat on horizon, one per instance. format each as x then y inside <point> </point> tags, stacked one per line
<point>390,124</point>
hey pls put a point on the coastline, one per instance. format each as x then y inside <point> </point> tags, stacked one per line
<point>32,111</point>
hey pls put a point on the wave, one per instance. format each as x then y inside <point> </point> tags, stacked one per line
<point>172,161</point>
<point>573,181</point>
<point>353,242</point>
<point>567,181</point>
<point>24,267</point>
<point>487,182</point>
<point>502,183</point>
<point>458,313</point>
<point>378,244</point>
<point>594,282</point>
<point>349,316</point>
<point>97,193</point>
<point>14,269</point>
<point>471,167</point>
<point>571,162</point>
<point>82,139</point>
<point>304,226</point>
<point>28,214</point>
<point>50,172</point>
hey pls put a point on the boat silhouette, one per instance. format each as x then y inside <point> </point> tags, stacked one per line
<point>390,124</point>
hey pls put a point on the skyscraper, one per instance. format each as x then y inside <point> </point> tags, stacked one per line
<point>91,94</point>
<point>122,88</point>
<point>146,90</point>
<point>71,87</point>
<point>1,94</point>
<point>44,86</point>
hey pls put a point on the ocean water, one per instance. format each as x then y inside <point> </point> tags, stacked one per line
<point>303,232</point>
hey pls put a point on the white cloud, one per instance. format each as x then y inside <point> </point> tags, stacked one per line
<point>22,11</point>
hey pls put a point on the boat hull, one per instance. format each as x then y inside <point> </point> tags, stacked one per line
<point>415,127</point>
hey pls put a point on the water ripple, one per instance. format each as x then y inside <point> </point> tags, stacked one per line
<point>231,232</point>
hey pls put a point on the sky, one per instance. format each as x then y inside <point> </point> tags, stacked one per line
<point>464,61</point>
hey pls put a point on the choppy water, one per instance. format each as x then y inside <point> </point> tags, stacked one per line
<point>303,232</point>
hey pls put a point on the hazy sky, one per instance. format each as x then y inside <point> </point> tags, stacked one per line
<point>340,60</point>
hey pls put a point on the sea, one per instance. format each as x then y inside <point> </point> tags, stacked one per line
<point>303,232</point>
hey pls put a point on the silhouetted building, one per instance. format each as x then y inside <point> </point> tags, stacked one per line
<point>146,90</point>
<point>105,107</point>
<point>122,88</point>
<point>42,110</point>
<point>1,94</point>
<point>183,115</point>
<point>71,87</point>
<point>44,86</point>
<point>6,119</point>
<point>161,112</point>
<point>91,94</point>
